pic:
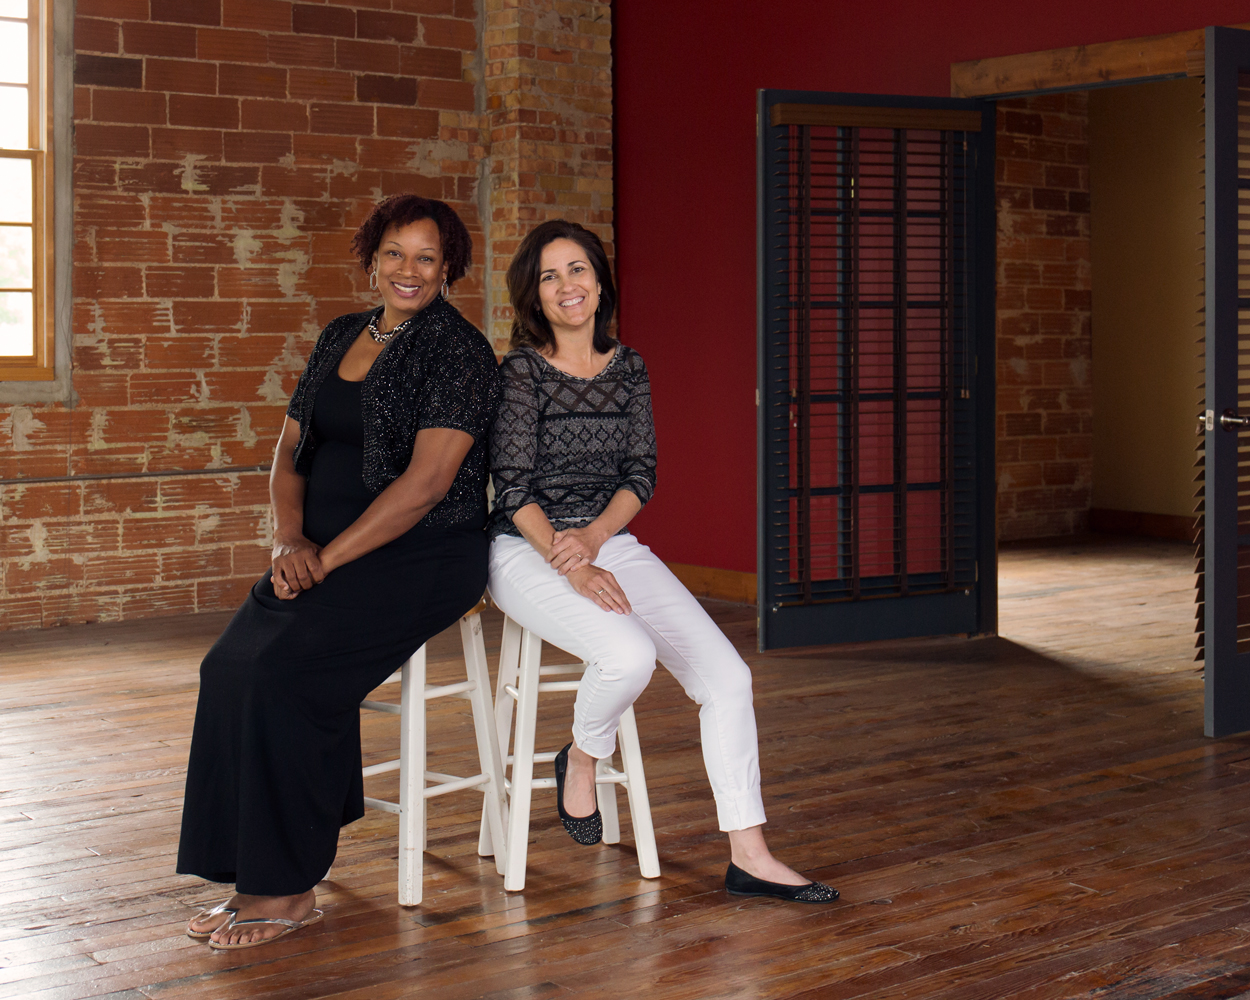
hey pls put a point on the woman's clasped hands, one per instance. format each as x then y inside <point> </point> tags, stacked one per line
<point>296,566</point>
<point>573,554</point>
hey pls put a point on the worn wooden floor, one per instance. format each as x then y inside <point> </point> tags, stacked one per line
<point>1032,816</point>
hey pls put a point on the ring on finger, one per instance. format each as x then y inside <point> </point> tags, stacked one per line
<point>600,591</point>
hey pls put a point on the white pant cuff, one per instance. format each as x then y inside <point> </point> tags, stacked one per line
<point>600,748</point>
<point>731,816</point>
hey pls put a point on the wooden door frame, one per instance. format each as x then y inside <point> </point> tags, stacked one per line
<point>1105,64</point>
<point>1080,67</point>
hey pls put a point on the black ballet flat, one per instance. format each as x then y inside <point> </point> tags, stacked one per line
<point>740,883</point>
<point>584,829</point>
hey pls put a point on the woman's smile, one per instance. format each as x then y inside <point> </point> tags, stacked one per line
<point>406,290</point>
<point>568,289</point>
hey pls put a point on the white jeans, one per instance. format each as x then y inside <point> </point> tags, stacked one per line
<point>668,623</point>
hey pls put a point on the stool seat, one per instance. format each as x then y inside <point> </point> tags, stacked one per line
<point>416,784</point>
<point>521,679</point>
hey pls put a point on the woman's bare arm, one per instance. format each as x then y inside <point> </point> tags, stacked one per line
<point>576,546</point>
<point>296,565</point>
<point>531,521</point>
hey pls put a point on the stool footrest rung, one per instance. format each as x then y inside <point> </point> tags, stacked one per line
<point>446,783</point>
<point>547,686</point>
<point>534,783</point>
<point>609,777</point>
<point>442,784</point>
<point>460,690</point>
<point>539,758</point>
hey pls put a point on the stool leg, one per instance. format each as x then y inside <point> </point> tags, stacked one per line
<point>636,788</point>
<point>484,730</point>
<point>517,838</point>
<point>412,779</point>
<point>509,661</point>
<point>606,796</point>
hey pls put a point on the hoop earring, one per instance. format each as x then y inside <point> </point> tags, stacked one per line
<point>373,280</point>
<point>445,289</point>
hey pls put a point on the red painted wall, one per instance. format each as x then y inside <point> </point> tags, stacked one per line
<point>686,75</point>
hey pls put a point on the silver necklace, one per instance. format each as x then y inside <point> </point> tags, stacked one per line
<point>380,337</point>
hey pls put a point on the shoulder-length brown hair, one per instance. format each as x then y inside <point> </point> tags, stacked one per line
<point>529,326</point>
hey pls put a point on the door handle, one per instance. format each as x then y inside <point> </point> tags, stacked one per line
<point>1231,422</point>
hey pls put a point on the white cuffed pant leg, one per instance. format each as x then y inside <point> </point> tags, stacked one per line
<point>667,623</point>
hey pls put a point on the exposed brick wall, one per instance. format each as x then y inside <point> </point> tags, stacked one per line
<point>549,102</point>
<point>225,151</point>
<point>1045,404</point>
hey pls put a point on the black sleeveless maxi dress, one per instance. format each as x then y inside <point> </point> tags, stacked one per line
<point>274,769</point>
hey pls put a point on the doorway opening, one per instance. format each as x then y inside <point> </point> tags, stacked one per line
<point>1100,281</point>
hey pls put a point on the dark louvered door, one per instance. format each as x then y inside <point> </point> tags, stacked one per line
<point>876,368</point>
<point>1225,570</point>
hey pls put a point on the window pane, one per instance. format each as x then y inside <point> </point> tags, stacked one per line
<point>17,255</point>
<point>14,52</point>
<point>17,324</point>
<point>15,190</point>
<point>14,8</point>
<point>14,118</point>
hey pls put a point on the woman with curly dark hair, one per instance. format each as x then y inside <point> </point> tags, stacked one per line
<point>378,493</point>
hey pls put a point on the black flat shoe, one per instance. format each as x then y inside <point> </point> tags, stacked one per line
<point>584,829</point>
<point>740,883</point>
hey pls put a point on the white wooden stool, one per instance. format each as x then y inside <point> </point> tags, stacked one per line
<point>411,762</point>
<point>519,685</point>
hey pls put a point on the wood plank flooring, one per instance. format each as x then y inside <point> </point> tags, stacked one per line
<point>1033,816</point>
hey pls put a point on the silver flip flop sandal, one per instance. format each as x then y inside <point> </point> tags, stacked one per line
<point>205,915</point>
<point>290,927</point>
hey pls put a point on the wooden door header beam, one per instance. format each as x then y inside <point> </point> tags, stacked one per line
<point>1180,54</point>
<point>874,117</point>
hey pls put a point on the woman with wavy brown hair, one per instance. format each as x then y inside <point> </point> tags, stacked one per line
<point>378,493</point>
<point>573,458</point>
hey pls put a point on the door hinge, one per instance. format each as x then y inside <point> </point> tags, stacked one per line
<point>757,397</point>
<point>976,571</point>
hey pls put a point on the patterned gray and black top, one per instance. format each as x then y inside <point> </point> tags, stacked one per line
<point>568,443</point>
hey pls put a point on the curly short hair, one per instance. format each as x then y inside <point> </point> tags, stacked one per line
<point>402,209</point>
<point>530,327</point>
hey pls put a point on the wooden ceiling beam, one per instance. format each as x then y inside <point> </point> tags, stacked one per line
<point>1177,54</point>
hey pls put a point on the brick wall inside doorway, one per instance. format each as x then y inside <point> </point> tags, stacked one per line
<point>1045,405</point>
